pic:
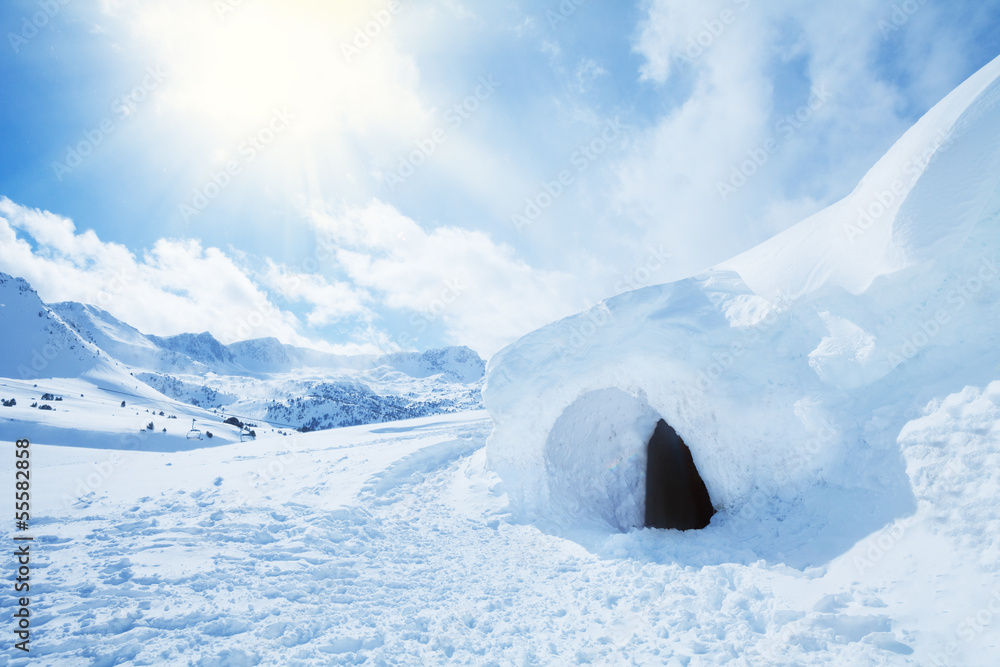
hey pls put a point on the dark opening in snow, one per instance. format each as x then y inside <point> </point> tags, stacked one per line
<point>676,496</point>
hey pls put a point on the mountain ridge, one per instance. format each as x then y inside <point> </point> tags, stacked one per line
<point>262,377</point>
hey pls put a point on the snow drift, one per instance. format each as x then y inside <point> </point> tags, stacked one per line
<point>762,363</point>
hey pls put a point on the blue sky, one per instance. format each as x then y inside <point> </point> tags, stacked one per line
<point>366,176</point>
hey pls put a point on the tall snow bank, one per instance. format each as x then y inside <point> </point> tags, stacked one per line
<point>786,370</point>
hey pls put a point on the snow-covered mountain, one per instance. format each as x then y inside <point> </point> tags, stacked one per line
<point>199,353</point>
<point>294,386</point>
<point>458,364</point>
<point>124,342</point>
<point>203,348</point>
<point>36,341</point>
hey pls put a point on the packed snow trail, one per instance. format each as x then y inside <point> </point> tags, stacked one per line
<point>394,545</point>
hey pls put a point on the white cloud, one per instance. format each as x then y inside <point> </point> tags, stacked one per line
<point>176,286</point>
<point>475,288</point>
<point>744,67</point>
<point>587,71</point>
<point>672,29</point>
<point>329,301</point>
<point>484,296</point>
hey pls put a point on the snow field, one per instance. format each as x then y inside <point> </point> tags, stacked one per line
<point>394,544</point>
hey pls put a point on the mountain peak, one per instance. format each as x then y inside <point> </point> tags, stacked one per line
<point>202,347</point>
<point>36,342</point>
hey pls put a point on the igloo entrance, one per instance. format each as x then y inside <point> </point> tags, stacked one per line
<point>676,496</point>
<point>611,459</point>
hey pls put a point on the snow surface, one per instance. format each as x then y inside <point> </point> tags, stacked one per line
<point>394,544</point>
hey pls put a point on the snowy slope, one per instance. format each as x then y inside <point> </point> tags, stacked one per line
<point>88,412</point>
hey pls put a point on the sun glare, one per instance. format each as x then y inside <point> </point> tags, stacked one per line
<point>235,64</point>
<point>232,72</point>
<point>238,70</point>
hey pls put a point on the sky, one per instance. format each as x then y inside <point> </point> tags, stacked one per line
<point>371,176</point>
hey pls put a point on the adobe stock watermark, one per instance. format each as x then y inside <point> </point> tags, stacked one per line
<point>901,14</point>
<point>324,250</point>
<point>252,146</point>
<point>875,547</point>
<point>276,465</point>
<point>122,107</point>
<point>642,274</point>
<point>760,503</point>
<point>956,299</point>
<point>970,627</point>
<point>103,471</point>
<point>94,480</point>
<point>724,360</point>
<point>30,25</point>
<point>363,35</point>
<point>114,286</point>
<point>881,202</point>
<point>784,128</point>
<point>453,289</point>
<point>713,29</point>
<point>454,117</point>
<point>595,317</point>
<point>583,328</point>
<point>805,454</point>
<point>40,358</point>
<point>224,7</point>
<point>421,318</point>
<point>580,160</point>
<point>561,14</point>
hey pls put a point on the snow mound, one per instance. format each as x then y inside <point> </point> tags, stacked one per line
<point>788,370</point>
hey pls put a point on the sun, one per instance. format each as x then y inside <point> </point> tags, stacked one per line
<point>233,67</point>
<point>233,62</point>
<point>238,69</point>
